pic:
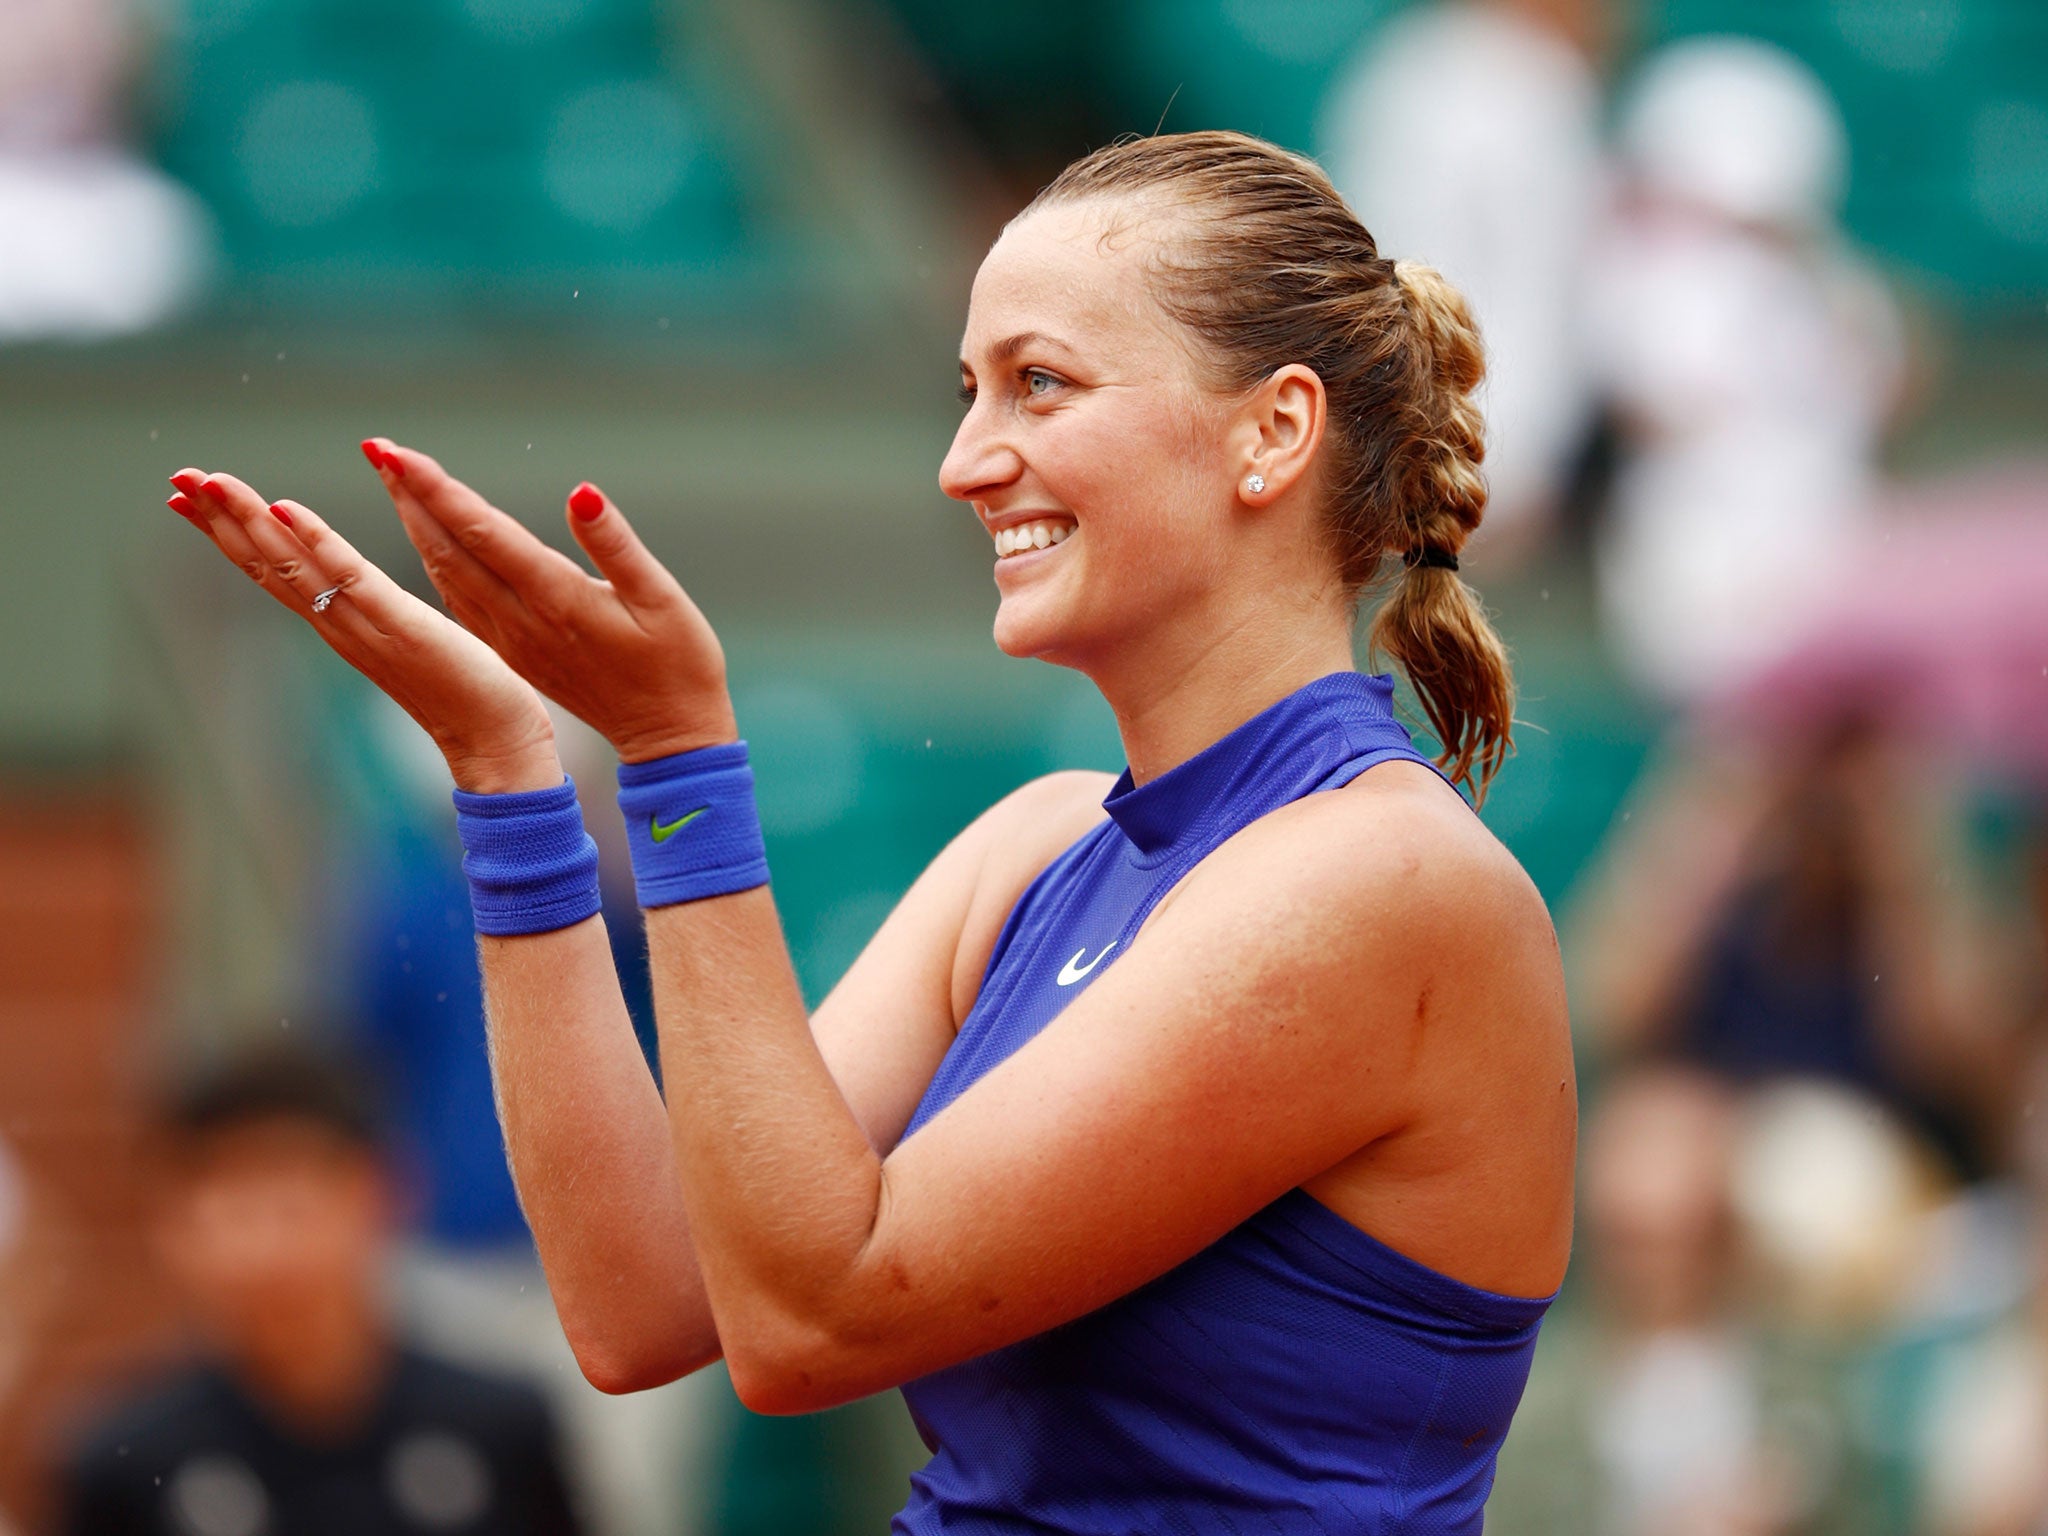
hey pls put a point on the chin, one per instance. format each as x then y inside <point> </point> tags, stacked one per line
<point>1049,632</point>
<point>1019,634</point>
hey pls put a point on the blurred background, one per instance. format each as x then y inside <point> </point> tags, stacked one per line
<point>1765,284</point>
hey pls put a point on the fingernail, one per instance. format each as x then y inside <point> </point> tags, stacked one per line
<point>207,487</point>
<point>181,504</point>
<point>277,509</point>
<point>586,501</point>
<point>373,453</point>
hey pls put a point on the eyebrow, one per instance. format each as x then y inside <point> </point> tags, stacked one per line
<point>1002,351</point>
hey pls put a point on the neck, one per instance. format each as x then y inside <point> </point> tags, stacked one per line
<point>323,1372</point>
<point>1185,693</point>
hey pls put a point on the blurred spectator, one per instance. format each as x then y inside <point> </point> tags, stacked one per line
<point>302,1413</point>
<point>93,242</point>
<point>13,1310</point>
<point>23,1292</point>
<point>1751,359</point>
<point>1961,1399</point>
<point>1795,908</point>
<point>1663,1409</point>
<point>1466,136</point>
<point>1979,1431</point>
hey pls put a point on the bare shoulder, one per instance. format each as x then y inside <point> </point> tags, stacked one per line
<point>1396,852</point>
<point>1404,825</point>
<point>1395,917</point>
<point>1071,798</point>
<point>1032,825</point>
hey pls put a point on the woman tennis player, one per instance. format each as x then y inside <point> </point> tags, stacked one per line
<point>1196,1158</point>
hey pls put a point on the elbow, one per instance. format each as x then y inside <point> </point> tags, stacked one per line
<point>773,1388</point>
<point>797,1369</point>
<point>779,1388</point>
<point>617,1366</point>
<point>617,1374</point>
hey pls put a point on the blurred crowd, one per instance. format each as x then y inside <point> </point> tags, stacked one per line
<point>1809,960</point>
<point>1809,964</point>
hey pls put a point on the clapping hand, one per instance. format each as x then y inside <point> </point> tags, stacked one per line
<point>625,650</point>
<point>488,723</point>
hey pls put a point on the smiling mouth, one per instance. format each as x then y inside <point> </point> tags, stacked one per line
<point>1025,537</point>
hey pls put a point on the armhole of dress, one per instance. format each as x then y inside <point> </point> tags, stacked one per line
<point>1026,898</point>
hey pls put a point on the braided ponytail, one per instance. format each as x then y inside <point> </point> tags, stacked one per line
<point>1431,624</point>
<point>1268,266</point>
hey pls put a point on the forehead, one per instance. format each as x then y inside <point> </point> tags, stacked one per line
<point>1079,272</point>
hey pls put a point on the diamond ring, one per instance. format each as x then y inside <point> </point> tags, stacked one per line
<point>320,603</point>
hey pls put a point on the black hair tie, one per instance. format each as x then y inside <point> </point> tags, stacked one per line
<point>1429,554</point>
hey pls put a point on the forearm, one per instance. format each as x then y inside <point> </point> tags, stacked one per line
<point>588,1142</point>
<point>782,1186</point>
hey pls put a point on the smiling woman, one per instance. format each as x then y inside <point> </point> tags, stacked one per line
<point>1200,1165</point>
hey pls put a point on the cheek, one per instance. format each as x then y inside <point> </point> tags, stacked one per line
<point>1137,478</point>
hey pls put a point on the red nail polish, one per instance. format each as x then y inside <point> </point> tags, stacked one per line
<point>181,504</point>
<point>207,487</point>
<point>278,510</point>
<point>373,453</point>
<point>586,501</point>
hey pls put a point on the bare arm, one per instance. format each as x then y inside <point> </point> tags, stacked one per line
<point>1264,1054</point>
<point>587,1138</point>
<point>837,1261</point>
<point>586,1131</point>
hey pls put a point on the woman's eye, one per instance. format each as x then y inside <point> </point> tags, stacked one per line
<point>1034,378</point>
<point>966,394</point>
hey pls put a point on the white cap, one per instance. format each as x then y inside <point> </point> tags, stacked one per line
<point>1740,127</point>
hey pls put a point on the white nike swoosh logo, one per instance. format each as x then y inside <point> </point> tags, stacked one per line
<point>1073,970</point>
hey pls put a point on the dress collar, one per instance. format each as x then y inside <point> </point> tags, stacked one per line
<point>1277,756</point>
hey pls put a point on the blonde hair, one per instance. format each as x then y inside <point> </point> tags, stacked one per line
<point>1268,266</point>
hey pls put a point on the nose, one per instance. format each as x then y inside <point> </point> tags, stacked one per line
<point>980,460</point>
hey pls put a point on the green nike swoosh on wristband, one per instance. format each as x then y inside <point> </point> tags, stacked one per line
<point>662,834</point>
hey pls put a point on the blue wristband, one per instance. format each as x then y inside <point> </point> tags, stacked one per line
<point>531,866</point>
<point>692,825</point>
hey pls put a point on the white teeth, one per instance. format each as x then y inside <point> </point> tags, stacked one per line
<point>1027,536</point>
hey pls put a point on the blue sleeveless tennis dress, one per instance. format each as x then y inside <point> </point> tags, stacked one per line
<point>1295,1376</point>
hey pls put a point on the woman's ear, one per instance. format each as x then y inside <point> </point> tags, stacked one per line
<point>1280,428</point>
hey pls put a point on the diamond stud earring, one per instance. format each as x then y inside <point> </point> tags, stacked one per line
<point>1255,483</point>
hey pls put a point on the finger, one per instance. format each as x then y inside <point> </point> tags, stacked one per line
<point>214,504</point>
<point>288,567</point>
<point>275,544</point>
<point>366,585</point>
<point>494,541</point>
<point>641,581</point>
<point>324,564</point>
<point>188,503</point>
<point>464,582</point>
